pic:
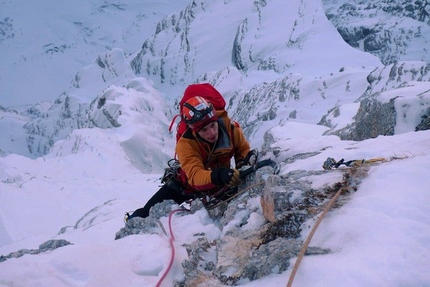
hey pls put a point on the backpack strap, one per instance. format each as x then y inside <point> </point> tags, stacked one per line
<point>173,121</point>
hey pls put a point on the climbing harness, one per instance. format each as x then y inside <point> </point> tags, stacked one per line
<point>172,176</point>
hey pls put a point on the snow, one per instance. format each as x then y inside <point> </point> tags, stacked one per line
<point>410,106</point>
<point>81,189</point>
<point>375,237</point>
<point>59,38</point>
<point>382,235</point>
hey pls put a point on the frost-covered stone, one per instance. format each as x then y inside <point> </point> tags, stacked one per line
<point>290,196</point>
<point>234,252</point>
<point>403,30</point>
<point>396,101</point>
<point>53,244</point>
<point>138,225</point>
<point>46,246</point>
<point>163,209</point>
<point>425,123</point>
<point>261,230</point>
<point>373,118</point>
<point>150,224</point>
<point>197,271</point>
<point>273,257</point>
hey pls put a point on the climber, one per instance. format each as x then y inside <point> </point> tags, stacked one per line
<point>204,152</point>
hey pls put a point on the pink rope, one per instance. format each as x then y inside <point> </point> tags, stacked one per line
<point>172,247</point>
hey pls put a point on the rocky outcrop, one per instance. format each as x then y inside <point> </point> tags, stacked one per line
<point>66,114</point>
<point>404,27</point>
<point>373,119</point>
<point>425,123</point>
<point>287,202</point>
<point>396,101</point>
<point>261,230</point>
<point>150,224</point>
<point>46,246</point>
<point>176,54</point>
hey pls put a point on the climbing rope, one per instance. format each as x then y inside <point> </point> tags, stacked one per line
<point>311,234</point>
<point>172,247</point>
<point>172,236</point>
<point>330,163</point>
<point>243,174</point>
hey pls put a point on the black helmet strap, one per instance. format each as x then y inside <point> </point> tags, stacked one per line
<point>198,115</point>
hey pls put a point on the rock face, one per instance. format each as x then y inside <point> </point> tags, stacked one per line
<point>393,39</point>
<point>148,225</point>
<point>286,203</point>
<point>46,246</point>
<point>396,101</point>
<point>260,229</point>
<point>373,118</point>
<point>425,123</point>
<point>177,53</point>
<point>173,56</point>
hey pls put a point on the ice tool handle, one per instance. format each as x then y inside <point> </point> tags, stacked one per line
<point>267,162</point>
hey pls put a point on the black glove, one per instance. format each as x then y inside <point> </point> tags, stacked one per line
<point>250,159</point>
<point>225,176</point>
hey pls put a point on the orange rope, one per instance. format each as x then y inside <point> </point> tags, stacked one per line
<point>311,234</point>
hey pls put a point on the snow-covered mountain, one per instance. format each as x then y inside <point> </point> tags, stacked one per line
<point>253,40</point>
<point>392,30</point>
<point>44,44</point>
<point>306,80</point>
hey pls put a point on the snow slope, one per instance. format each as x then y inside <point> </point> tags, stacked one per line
<point>80,190</point>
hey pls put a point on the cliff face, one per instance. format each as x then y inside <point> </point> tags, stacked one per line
<point>271,68</point>
<point>392,30</point>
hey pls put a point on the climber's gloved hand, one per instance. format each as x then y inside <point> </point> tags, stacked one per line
<point>250,159</point>
<point>225,176</point>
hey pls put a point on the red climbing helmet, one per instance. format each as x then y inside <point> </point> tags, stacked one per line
<point>198,113</point>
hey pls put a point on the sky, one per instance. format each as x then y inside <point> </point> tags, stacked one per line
<point>82,188</point>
